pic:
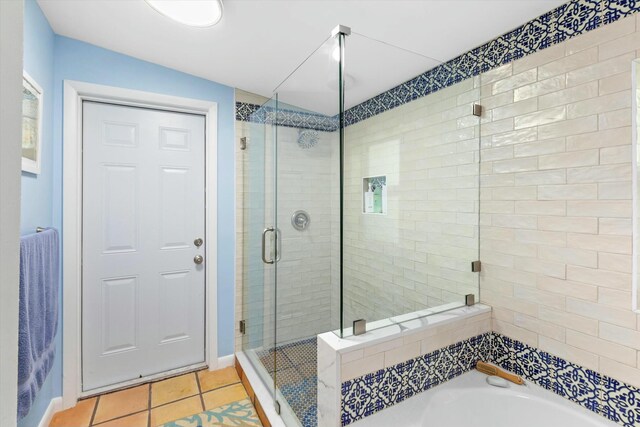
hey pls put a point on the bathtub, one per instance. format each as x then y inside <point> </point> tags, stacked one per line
<point>469,401</point>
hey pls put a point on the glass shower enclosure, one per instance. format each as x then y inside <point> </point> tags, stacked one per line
<point>360,200</point>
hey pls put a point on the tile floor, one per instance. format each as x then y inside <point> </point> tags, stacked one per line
<point>181,400</point>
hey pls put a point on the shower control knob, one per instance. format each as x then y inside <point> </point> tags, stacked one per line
<point>198,259</point>
<point>300,220</point>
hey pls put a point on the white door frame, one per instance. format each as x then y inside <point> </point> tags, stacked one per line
<point>74,94</point>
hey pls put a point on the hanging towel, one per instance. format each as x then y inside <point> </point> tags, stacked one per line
<point>38,313</point>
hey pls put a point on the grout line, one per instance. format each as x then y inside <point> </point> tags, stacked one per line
<point>118,418</point>
<point>173,401</point>
<point>295,366</point>
<point>149,403</point>
<point>95,409</point>
<point>200,391</point>
<point>224,386</point>
<point>149,406</point>
<point>118,390</point>
<point>148,384</point>
<point>286,356</point>
<point>129,387</point>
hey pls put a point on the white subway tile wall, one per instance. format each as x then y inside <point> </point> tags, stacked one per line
<point>556,233</point>
<point>417,255</point>
<point>304,281</point>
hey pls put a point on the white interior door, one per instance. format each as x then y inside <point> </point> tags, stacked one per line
<point>143,294</point>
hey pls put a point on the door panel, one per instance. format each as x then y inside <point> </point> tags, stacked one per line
<point>143,299</point>
<point>174,207</point>
<point>120,327</point>
<point>174,139</point>
<point>120,208</point>
<point>120,134</point>
<point>171,290</point>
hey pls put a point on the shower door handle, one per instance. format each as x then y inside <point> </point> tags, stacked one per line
<point>264,245</point>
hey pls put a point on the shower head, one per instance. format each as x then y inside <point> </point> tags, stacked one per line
<point>307,138</point>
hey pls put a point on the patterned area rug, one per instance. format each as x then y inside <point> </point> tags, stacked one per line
<point>236,414</point>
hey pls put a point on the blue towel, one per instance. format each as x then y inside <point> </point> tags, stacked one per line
<point>38,315</point>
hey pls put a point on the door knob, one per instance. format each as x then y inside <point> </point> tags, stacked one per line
<point>198,242</point>
<point>198,259</point>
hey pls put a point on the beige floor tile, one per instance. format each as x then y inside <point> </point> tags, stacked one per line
<point>175,410</point>
<point>124,402</point>
<point>210,380</point>
<point>223,396</point>
<point>141,419</point>
<point>173,389</point>
<point>78,416</point>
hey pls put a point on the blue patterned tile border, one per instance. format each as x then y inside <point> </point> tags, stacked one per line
<point>366,395</point>
<point>617,401</point>
<point>245,112</point>
<point>373,392</point>
<point>562,23</point>
<point>289,118</point>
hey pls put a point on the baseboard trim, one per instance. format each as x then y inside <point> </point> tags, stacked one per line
<point>54,406</point>
<point>226,361</point>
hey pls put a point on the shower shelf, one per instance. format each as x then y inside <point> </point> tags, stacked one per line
<point>372,203</point>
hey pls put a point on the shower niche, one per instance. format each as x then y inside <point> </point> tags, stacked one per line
<point>374,195</point>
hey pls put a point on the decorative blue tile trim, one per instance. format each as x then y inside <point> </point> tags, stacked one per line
<point>566,21</point>
<point>373,392</point>
<point>603,395</point>
<point>366,395</point>
<point>289,118</point>
<point>245,111</point>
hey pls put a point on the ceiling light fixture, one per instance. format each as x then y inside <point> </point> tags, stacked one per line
<point>195,13</point>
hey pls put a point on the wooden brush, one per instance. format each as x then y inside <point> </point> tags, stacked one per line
<point>488,369</point>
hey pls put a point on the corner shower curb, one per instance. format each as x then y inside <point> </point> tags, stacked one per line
<point>263,396</point>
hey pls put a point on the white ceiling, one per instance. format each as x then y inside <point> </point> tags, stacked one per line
<point>259,43</point>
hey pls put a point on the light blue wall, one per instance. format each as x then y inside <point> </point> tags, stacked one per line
<point>37,199</point>
<point>38,63</point>
<point>50,59</point>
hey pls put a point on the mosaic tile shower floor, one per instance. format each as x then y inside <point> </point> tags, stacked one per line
<point>296,376</point>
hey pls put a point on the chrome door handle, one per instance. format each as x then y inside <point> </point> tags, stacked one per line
<point>198,259</point>
<point>264,245</point>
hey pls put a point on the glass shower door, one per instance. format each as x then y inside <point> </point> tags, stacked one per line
<point>306,166</point>
<point>258,266</point>
<point>266,237</point>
